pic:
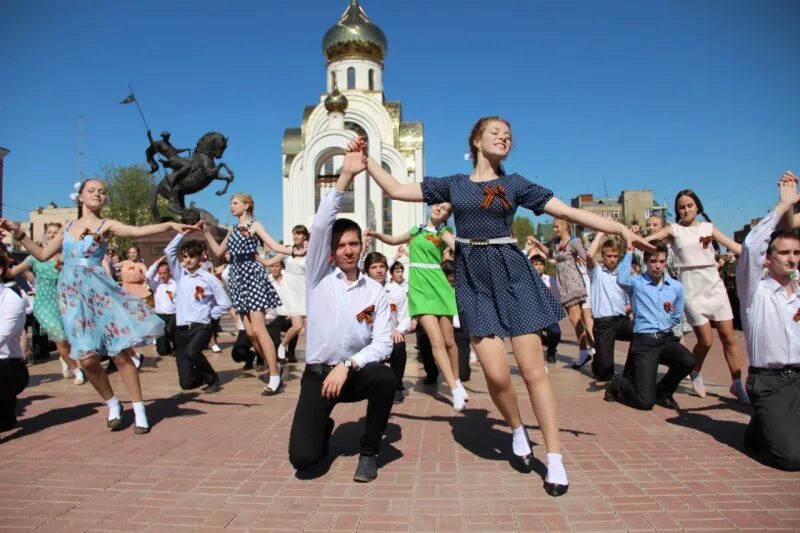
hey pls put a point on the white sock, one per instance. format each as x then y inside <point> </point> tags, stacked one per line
<point>140,414</point>
<point>274,382</point>
<point>77,372</point>
<point>583,356</point>
<point>114,408</point>
<point>591,351</point>
<point>520,442</point>
<point>555,470</point>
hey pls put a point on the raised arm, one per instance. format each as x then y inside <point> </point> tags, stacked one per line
<point>449,239</point>
<point>16,270</point>
<point>217,249</point>
<point>42,254</point>
<point>726,241</point>
<point>171,253</point>
<point>118,229</point>
<point>408,192</point>
<point>389,239</point>
<point>660,235</point>
<point>593,249</point>
<point>267,239</point>
<point>272,261</point>
<point>625,278</point>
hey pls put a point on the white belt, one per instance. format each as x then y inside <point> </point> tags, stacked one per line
<point>486,242</point>
<point>431,266</point>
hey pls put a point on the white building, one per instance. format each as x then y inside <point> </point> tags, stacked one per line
<point>353,104</point>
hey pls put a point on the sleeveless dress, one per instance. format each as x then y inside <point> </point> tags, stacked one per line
<point>704,293</point>
<point>429,292</point>
<point>571,286</point>
<point>497,290</point>
<point>97,314</point>
<point>248,281</point>
<point>293,287</point>
<point>45,305</point>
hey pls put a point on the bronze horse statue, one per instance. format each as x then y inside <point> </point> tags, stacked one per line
<point>194,177</point>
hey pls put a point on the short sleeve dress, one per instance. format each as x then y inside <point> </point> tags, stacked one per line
<point>705,296</point>
<point>45,305</point>
<point>429,292</point>
<point>571,285</point>
<point>97,314</point>
<point>497,290</point>
<point>293,287</point>
<point>248,280</point>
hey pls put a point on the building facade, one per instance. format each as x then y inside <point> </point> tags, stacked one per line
<point>354,104</point>
<point>630,207</point>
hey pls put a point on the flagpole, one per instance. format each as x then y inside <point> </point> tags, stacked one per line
<point>136,101</point>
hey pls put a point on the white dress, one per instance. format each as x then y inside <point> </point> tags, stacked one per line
<point>704,293</point>
<point>293,287</point>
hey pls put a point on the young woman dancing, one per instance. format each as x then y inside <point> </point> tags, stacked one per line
<point>706,298</point>
<point>133,274</point>
<point>499,294</point>
<point>97,314</point>
<point>45,305</point>
<point>431,299</point>
<point>251,291</point>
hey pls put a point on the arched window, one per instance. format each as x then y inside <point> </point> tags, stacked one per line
<point>351,78</point>
<point>386,207</point>
<point>371,79</point>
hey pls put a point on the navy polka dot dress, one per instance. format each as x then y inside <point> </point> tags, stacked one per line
<point>248,281</point>
<point>497,290</point>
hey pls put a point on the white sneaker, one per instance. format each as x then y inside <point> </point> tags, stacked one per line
<point>281,352</point>
<point>698,385</point>
<point>215,348</point>
<point>65,371</point>
<point>80,379</point>
<point>459,404</point>
<point>464,392</point>
<point>137,360</point>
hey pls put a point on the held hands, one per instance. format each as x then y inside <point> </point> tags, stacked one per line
<point>334,381</point>
<point>9,226</point>
<point>355,159</point>
<point>635,241</point>
<point>787,187</point>
<point>184,229</point>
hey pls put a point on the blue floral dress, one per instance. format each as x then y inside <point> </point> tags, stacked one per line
<point>96,312</point>
<point>497,291</point>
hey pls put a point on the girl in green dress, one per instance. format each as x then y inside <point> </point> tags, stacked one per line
<point>45,304</point>
<point>431,299</point>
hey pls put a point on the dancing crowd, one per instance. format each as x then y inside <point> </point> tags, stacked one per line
<point>470,289</point>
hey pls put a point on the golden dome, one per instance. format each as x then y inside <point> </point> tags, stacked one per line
<point>354,35</point>
<point>336,101</point>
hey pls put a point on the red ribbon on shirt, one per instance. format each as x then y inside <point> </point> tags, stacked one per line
<point>668,307</point>
<point>796,316</point>
<point>171,299</point>
<point>492,192</point>
<point>366,315</point>
<point>705,241</point>
<point>199,292</point>
<point>393,308</point>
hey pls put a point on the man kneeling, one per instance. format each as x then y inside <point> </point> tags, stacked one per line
<point>348,336</point>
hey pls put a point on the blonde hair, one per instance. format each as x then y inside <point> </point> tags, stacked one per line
<point>246,199</point>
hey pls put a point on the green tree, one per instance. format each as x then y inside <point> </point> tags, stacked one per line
<point>522,228</point>
<point>129,197</point>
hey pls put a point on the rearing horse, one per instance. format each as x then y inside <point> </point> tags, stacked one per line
<point>196,176</point>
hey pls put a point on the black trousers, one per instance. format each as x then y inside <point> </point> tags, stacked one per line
<point>429,363</point>
<point>774,429</point>
<point>606,331</point>
<point>39,341</point>
<point>638,382</point>
<point>278,326</point>
<point>13,380</point>
<point>165,344</point>
<point>194,370</point>
<point>551,336</point>
<point>375,383</point>
<point>397,362</point>
<point>242,350</point>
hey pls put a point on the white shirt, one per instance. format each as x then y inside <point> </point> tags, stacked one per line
<point>12,322</point>
<point>772,334</point>
<point>398,306</point>
<point>608,298</point>
<point>334,333</point>
<point>199,295</point>
<point>163,293</point>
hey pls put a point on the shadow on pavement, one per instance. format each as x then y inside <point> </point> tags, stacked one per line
<point>53,417</point>
<point>729,432</point>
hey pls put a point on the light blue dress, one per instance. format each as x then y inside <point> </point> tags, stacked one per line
<point>97,314</point>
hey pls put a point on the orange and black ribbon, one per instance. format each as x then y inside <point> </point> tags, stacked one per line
<point>366,315</point>
<point>244,231</point>
<point>668,307</point>
<point>98,237</point>
<point>171,299</point>
<point>393,308</point>
<point>59,264</point>
<point>132,267</point>
<point>796,316</point>
<point>199,292</point>
<point>705,241</point>
<point>434,239</point>
<point>491,193</point>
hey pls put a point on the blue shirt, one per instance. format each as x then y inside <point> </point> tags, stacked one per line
<point>199,295</point>
<point>655,307</point>
<point>608,298</point>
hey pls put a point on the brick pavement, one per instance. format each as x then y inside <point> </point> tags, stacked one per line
<point>215,462</point>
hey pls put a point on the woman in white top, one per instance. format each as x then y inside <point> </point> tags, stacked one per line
<point>705,295</point>
<point>13,373</point>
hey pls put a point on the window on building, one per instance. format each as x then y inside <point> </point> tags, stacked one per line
<point>371,79</point>
<point>327,175</point>
<point>351,78</point>
<point>386,207</point>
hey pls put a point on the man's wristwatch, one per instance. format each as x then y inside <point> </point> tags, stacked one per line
<point>348,364</point>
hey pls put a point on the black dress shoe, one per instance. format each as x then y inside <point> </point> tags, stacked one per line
<point>212,387</point>
<point>367,468</point>
<point>576,366</point>
<point>522,463</point>
<point>551,357</point>
<point>272,392</point>
<point>398,396</point>
<point>554,489</point>
<point>668,402</point>
<point>612,390</point>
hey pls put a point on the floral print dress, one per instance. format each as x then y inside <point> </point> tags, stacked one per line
<point>96,312</point>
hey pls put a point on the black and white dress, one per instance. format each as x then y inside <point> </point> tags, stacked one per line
<point>248,280</point>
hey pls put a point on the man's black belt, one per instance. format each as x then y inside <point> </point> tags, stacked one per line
<point>656,335</point>
<point>785,371</point>
<point>242,258</point>
<point>192,325</point>
<point>607,318</point>
<point>319,369</point>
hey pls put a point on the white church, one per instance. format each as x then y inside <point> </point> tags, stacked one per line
<point>354,101</point>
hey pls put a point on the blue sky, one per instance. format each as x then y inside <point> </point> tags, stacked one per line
<point>601,94</point>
